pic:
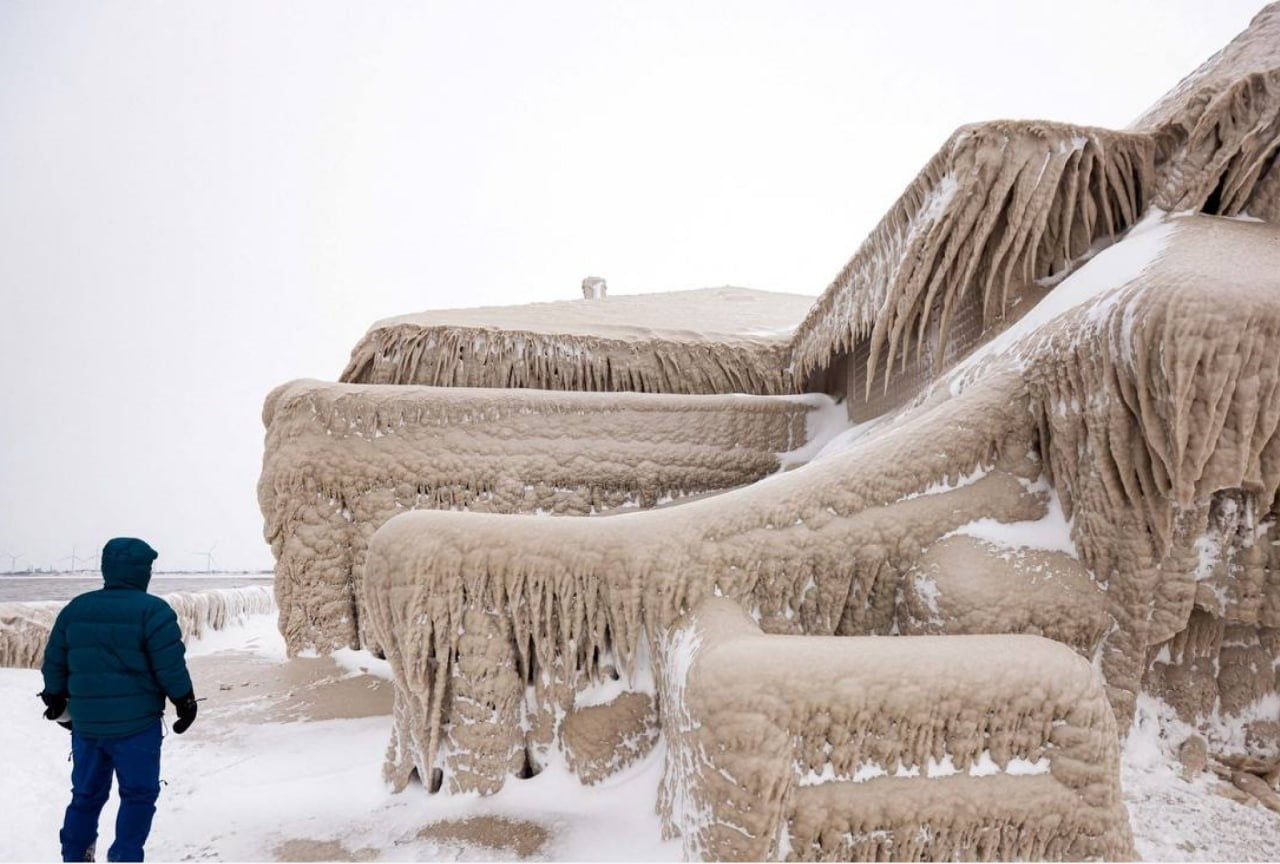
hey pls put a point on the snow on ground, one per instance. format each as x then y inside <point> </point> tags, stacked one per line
<point>284,763</point>
<point>1179,820</point>
<point>285,760</point>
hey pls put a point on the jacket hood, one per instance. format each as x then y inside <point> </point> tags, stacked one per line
<point>126,563</point>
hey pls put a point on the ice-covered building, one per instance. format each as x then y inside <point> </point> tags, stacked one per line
<point>569,525</point>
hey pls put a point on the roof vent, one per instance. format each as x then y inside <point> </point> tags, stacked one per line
<point>594,288</point>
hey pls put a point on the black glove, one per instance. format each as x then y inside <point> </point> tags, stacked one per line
<point>55,709</point>
<point>186,713</point>
<point>55,705</point>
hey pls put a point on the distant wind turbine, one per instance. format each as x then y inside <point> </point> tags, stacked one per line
<point>13,561</point>
<point>74,558</point>
<point>208,558</point>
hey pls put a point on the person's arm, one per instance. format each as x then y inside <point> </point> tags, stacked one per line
<point>55,672</point>
<point>163,640</point>
<point>54,668</point>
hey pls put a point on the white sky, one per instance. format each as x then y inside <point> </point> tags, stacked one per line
<point>199,201</point>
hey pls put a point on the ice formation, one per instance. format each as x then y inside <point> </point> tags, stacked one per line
<point>218,608</point>
<point>1000,206</point>
<point>25,626</point>
<point>24,629</point>
<point>1068,398</point>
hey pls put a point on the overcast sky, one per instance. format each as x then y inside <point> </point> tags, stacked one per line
<point>199,201</point>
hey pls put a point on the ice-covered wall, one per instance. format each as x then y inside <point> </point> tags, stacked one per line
<point>341,459</point>
<point>862,749</point>
<point>24,629</point>
<point>25,626</point>
<point>218,608</point>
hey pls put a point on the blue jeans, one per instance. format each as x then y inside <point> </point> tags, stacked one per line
<point>135,761</point>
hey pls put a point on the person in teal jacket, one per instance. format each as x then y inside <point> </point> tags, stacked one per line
<point>112,658</point>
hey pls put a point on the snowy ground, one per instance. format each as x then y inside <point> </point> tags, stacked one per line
<point>285,761</point>
<point>1179,820</point>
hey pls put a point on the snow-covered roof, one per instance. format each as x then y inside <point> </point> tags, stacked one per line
<point>1006,203</point>
<point>702,314</point>
<point>710,340</point>
<point>1255,50</point>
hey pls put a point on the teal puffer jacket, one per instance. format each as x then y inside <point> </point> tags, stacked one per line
<point>118,652</point>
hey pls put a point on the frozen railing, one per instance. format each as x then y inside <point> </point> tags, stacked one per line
<point>25,626</point>
<point>870,749</point>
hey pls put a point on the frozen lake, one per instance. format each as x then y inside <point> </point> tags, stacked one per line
<point>66,586</point>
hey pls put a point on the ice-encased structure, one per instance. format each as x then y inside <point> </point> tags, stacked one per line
<point>25,626</point>
<point>1059,332</point>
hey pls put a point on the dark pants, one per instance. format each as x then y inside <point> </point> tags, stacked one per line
<point>135,761</point>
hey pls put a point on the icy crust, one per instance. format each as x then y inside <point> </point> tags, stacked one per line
<point>1219,129</point>
<point>1223,147</point>
<point>24,627</point>
<point>615,344</point>
<point>1001,205</point>
<point>340,460</point>
<point>724,313</point>
<point>812,748</point>
<point>1256,49</point>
